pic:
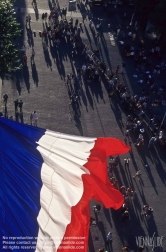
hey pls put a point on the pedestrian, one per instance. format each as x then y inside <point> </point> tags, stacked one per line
<point>118,31</point>
<point>84,69</point>
<point>24,58</point>
<point>5,98</point>
<point>24,49</point>
<point>133,36</point>
<point>96,208</point>
<point>130,193</point>
<point>129,34</point>
<point>64,11</point>
<point>34,2</point>
<point>98,26</point>
<point>125,248</point>
<point>34,118</point>
<point>101,250</point>
<point>140,249</point>
<point>26,18</point>
<point>127,160</point>
<point>123,190</point>
<point>29,19</point>
<point>125,215</point>
<point>138,175</point>
<point>91,24</point>
<point>140,138</point>
<point>72,55</point>
<point>152,141</point>
<point>109,238</point>
<point>149,213</point>
<point>127,136</point>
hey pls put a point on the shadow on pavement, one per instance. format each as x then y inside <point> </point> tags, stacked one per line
<point>34,74</point>
<point>26,77</point>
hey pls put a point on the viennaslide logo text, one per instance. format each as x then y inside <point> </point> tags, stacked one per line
<point>154,241</point>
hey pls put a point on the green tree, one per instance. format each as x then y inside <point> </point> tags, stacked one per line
<point>9,31</point>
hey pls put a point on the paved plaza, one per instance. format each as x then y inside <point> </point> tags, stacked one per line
<point>42,87</point>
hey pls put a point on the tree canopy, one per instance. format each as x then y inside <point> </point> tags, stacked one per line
<point>9,31</point>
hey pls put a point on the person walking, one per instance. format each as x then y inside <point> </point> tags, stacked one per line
<point>34,118</point>
<point>24,58</point>
<point>127,160</point>
<point>137,174</point>
<point>5,97</point>
<point>152,141</point>
<point>109,237</point>
<point>29,20</point>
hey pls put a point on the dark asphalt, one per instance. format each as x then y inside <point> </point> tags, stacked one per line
<point>41,86</point>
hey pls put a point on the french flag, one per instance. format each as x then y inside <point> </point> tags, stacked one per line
<point>46,182</point>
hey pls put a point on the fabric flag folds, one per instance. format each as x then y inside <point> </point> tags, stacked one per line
<point>47,180</point>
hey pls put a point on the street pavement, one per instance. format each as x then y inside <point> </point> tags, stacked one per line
<point>41,86</point>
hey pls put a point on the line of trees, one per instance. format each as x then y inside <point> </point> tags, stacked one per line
<point>9,31</point>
